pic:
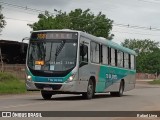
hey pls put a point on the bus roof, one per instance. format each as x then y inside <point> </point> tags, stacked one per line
<point>101,40</point>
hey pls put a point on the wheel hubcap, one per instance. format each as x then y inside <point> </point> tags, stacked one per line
<point>90,89</point>
<point>121,89</point>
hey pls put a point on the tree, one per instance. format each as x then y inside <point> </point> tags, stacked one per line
<point>143,46</point>
<point>77,19</point>
<point>2,21</point>
<point>2,24</point>
<point>147,56</point>
<point>153,61</point>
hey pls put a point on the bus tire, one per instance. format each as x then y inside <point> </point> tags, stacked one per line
<point>90,90</point>
<point>46,95</point>
<point>121,90</point>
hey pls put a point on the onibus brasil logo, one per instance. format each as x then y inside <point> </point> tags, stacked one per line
<point>21,114</point>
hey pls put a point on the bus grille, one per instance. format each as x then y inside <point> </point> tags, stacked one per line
<point>54,87</point>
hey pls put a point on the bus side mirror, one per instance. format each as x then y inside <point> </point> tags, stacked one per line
<point>22,45</point>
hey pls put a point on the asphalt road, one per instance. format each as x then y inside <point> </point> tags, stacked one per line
<point>143,98</point>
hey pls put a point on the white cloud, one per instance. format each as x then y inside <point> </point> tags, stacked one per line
<point>16,31</point>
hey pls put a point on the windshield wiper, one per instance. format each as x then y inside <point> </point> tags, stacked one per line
<point>58,49</point>
<point>50,54</point>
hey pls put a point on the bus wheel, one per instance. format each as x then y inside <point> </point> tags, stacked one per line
<point>90,90</point>
<point>46,95</point>
<point>120,92</point>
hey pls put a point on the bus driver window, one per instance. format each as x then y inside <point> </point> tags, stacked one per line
<point>83,54</point>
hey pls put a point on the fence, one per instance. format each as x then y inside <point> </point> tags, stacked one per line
<point>146,76</point>
<point>17,70</point>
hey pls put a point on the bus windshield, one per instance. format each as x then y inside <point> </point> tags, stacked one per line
<point>52,55</point>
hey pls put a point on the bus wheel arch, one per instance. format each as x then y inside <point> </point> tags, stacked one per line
<point>123,83</point>
<point>94,82</point>
<point>121,89</point>
<point>90,88</point>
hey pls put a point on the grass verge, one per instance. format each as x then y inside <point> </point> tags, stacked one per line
<point>154,82</point>
<point>9,84</point>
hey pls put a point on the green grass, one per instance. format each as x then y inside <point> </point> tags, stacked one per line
<point>155,82</point>
<point>9,84</point>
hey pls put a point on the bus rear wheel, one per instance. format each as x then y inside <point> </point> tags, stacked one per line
<point>120,92</point>
<point>90,90</point>
<point>46,95</point>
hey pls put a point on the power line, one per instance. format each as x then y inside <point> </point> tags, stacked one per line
<point>19,19</point>
<point>112,31</point>
<point>21,11</point>
<point>135,33</point>
<point>137,27</point>
<point>115,24</point>
<point>21,7</point>
<point>150,1</point>
<point>24,7</point>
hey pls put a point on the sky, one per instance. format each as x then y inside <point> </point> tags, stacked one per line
<point>142,13</point>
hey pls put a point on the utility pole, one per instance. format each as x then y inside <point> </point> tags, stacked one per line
<point>1,58</point>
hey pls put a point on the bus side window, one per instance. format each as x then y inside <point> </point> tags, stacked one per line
<point>112,57</point>
<point>126,58</point>
<point>132,62</point>
<point>120,59</point>
<point>123,59</point>
<point>116,58</point>
<point>84,53</point>
<point>95,52</point>
<point>104,54</point>
<point>109,55</point>
<point>129,61</point>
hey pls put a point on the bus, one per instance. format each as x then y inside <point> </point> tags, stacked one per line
<point>74,62</point>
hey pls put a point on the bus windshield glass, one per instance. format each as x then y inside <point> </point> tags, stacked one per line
<point>52,55</point>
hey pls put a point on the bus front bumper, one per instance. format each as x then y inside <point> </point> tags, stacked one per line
<point>74,86</point>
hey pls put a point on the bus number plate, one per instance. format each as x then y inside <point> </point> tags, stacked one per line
<point>47,88</point>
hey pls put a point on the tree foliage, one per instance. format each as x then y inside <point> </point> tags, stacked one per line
<point>153,61</point>
<point>2,21</point>
<point>143,46</point>
<point>77,19</point>
<point>147,60</point>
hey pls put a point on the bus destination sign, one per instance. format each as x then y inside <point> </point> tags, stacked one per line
<point>54,35</point>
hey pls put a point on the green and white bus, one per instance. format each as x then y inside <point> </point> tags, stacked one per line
<point>74,62</point>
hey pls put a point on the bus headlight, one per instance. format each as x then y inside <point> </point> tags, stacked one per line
<point>70,79</point>
<point>29,77</point>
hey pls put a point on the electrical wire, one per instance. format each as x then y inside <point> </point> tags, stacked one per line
<point>19,19</point>
<point>115,24</point>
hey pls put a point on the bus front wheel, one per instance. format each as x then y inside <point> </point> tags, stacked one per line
<point>46,95</point>
<point>90,90</point>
